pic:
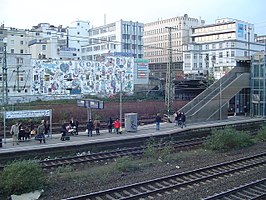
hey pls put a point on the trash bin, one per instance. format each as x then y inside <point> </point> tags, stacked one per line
<point>131,122</point>
<point>1,143</point>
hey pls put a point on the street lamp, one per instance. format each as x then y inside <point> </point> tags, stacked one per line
<point>4,82</point>
<point>220,96</point>
<point>120,95</point>
<point>120,104</point>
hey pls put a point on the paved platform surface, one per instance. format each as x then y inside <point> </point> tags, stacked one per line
<point>82,137</point>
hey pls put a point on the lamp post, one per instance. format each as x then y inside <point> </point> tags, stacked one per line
<point>220,96</point>
<point>120,104</point>
<point>120,95</point>
<point>168,80</point>
<point>4,84</point>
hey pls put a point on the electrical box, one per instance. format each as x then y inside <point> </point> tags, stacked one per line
<point>131,122</point>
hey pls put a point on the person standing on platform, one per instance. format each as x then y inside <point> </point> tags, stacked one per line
<point>14,132</point>
<point>245,110</point>
<point>90,127</point>
<point>177,118</point>
<point>77,126</point>
<point>158,120</point>
<point>110,125</point>
<point>47,128</point>
<point>97,125</point>
<point>117,125</point>
<point>183,119</point>
<point>41,132</point>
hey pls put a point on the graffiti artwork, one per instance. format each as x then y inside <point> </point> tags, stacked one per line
<point>84,77</point>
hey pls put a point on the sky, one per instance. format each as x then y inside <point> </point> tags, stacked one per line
<point>27,13</point>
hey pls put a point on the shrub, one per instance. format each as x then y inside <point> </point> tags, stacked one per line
<point>125,164</point>
<point>22,177</point>
<point>261,135</point>
<point>151,151</point>
<point>227,139</point>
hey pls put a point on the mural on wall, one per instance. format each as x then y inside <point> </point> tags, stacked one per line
<point>83,77</point>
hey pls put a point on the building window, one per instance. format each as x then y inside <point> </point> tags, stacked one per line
<point>213,46</point>
<point>187,56</point>
<point>43,47</point>
<point>220,45</point>
<point>12,41</point>
<point>207,46</point>
<point>12,50</point>
<point>200,65</point>
<point>21,42</point>
<point>220,54</point>
<point>21,50</point>
<point>232,54</point>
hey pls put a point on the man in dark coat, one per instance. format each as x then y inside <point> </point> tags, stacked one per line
<point>110,125</point>
<point>158,120</point>
<point>90,127</point>
<point>183,119</point>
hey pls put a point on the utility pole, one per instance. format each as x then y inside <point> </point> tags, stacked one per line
<point>18,72</point>
<point>4,86</point>
<point>169,76</point>
<point>4,77</point>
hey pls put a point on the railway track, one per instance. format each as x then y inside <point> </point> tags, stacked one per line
<point>109,155</point>
<point>103,156</point>
<point>254,190</point>
<point>174,182</point>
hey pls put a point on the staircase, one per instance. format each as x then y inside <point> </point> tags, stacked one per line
<point>211,104</point>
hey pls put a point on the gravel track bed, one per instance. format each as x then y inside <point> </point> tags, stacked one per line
<point>63,188</point>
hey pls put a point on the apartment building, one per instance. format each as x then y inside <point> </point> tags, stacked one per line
<point>261,39</point>
<point>161,36</point>
<point>215,49</point>
<point>46,41</point>
<point>120,36</point>
<point>77,35</point>
<point>16,40</point>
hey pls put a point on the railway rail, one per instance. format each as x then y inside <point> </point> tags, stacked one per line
<point>174,182</point>
<point>109,155</point>
<point>103,156</point>
<point>254,190</point>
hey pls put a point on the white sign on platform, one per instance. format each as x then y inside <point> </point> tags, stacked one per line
<point>27,114</point>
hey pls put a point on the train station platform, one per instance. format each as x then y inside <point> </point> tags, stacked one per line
<point>142,131</point>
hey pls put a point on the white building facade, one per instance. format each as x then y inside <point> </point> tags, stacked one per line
<point>157,42</point>
<point>46,41</point>
<point>121,36</point>
<point>77,35</point>
<point>214,49</point>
